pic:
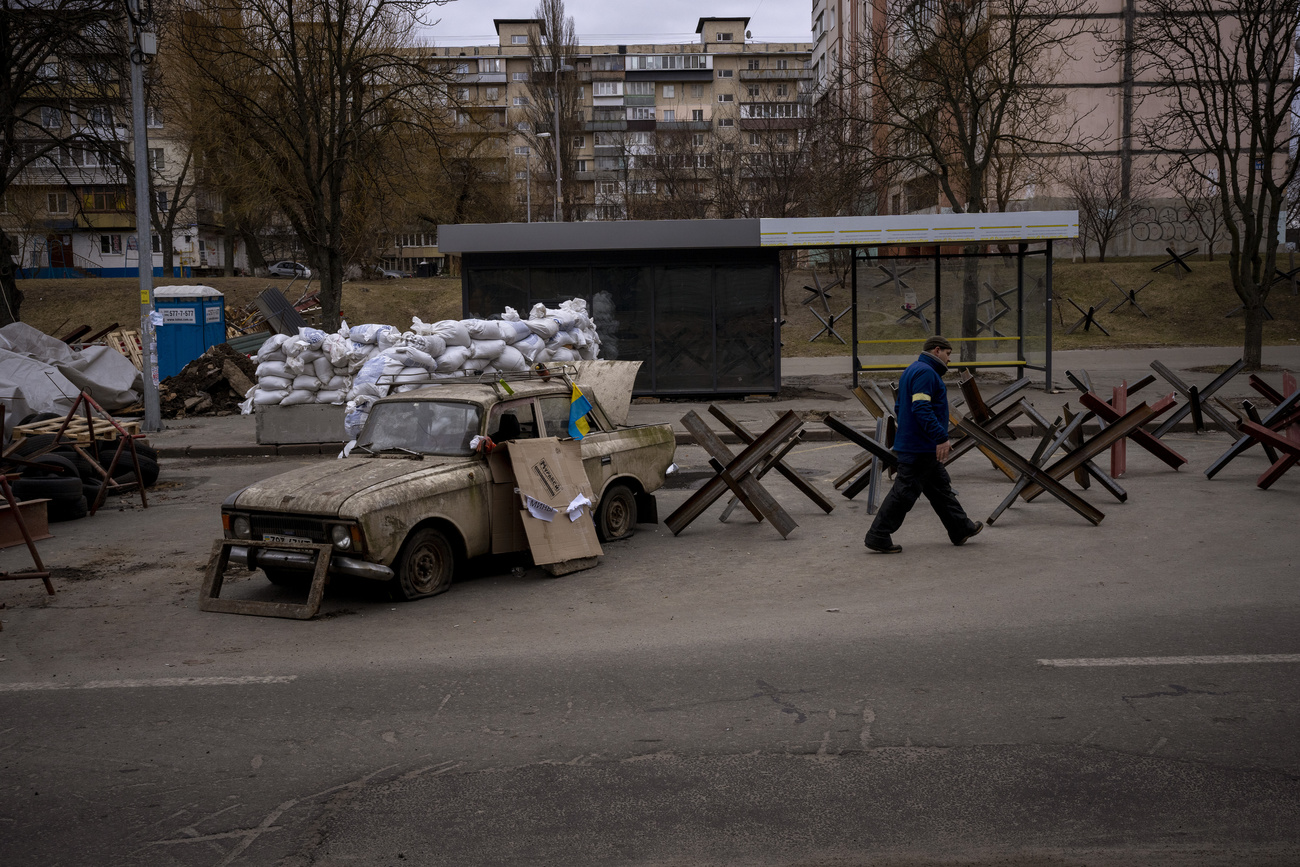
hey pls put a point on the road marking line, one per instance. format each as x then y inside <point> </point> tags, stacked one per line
<point>1108,661</point>
<point>41,686</point>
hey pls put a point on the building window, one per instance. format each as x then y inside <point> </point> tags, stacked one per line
<point>579,142</point>
<point>110,245</point>
<point>582,93</point>
<point>606,188</point>
<point>519,39</point>
<point>490,64</point>
<point>462,93</point>
<point>51,118</point>
<point>697,90</point>
<point>521,152</point>
<point>493,94</point>
<point>99,115</point>
<point>461,69</point>
<point>670,91</point>
<point>783,64</point>
<point>521,175</point>
<point>726,121</point>
<point>697,114</point>
<point>753,139</point>
<point>608,139</point>
<point>155,242</point>
<point>157,161</point>
<point>160,201</point>
<point>153,117</point>
<point>781,90</point>
<point>58,203</point>
<point>726,73</point>
<point>698,139</point>
<point>782,139</point>
<point>753,63</point>
<point>584,165</point>
<point>607,88</point>
<point>640,88</point>
<point>726,147</point>
<point>726,97</point>
<point>519,76</point>
<point>523,126</point>
<point>640,113</point>
<point>753,91</point>
<point>724,37</point>
<point>521,100</point>
<point>670,115</point>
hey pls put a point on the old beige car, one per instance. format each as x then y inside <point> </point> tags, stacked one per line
<point>413,498</point>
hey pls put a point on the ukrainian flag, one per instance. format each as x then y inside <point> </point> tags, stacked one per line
<point>579,406</point>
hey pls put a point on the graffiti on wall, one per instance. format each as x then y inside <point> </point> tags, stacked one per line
<point>1164,223</point>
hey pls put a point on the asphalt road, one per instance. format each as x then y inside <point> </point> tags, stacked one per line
<point>721,697</point>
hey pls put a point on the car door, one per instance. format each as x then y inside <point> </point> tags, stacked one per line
<point>508,420</point>
<point>599,447</point>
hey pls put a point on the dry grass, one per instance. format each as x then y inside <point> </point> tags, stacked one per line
<point>1184,311</point>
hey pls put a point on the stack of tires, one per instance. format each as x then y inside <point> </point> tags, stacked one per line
<point>68,480</point>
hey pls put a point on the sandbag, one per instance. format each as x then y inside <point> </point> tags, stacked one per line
<point>271,368</point>
<point>306,382</point>
<point>453,359</point>
<point>330,396</point>
<point>510,359</point>
<point>323,367</point>
<point>298,396</point>
<point>486,349</point>
<point>275,383</point>
<point>268,397</point>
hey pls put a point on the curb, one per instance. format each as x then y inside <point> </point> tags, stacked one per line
<point>813,434</point>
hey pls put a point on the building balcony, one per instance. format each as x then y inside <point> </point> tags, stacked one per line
<point>208,217</point>
<point>640,126</point>
<point>799,74</point>
<point>670,75</point>
<point>639,100</point>
<point>603,75</point>
<point>766,123</point>
<point>684,126</point>
<point>605,125</point>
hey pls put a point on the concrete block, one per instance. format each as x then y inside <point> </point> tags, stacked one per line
<point>303,423</point>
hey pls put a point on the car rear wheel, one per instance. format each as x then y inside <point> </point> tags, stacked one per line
<point>616,516</point>
<point>425,565</point>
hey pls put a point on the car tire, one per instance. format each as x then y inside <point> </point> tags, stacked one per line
<point>51,466</point>
<point>31,445</point>
<point>67,509</point>
<point>124,472</point>
<point>39,416</point>
<point>425,565</point>
<point>616,515</point>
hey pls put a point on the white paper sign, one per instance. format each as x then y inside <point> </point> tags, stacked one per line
<point>212,314</point>
<point>178,316</point>
<point>539,510</point>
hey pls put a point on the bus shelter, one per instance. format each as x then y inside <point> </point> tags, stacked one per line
<point>984,281</point>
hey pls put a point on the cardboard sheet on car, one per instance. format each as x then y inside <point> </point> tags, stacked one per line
<point>550,471</point>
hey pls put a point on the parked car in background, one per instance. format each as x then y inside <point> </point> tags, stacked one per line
<point>390,274</point>
<point>289,269</point>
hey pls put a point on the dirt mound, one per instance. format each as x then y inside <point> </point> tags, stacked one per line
<point>212,384</point>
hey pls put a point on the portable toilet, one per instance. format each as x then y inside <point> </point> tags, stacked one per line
<point>193,320</point>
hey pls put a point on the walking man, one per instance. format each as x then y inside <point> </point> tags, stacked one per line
<point>922,446</point>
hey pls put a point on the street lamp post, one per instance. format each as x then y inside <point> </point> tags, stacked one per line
<point>528,163</point>
<point>555,109</point>
<point>540,135</point>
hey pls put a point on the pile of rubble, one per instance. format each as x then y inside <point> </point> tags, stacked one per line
<point>212,384</point>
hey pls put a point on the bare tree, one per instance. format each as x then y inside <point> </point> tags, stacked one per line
<point>1094,185</point>
<point>552,93</point>
<point>958,86</point>
<point>1225,89</point>
<point>51,54</point>
<point>1202,202</point>
<point>322,97</point>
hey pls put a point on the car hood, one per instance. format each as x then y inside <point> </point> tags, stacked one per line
<point>325,488</point>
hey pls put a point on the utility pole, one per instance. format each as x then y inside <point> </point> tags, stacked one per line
<point>555,105</point>
<point>143,43</point>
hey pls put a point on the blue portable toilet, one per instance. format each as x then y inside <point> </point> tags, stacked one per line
<point>193,320</point>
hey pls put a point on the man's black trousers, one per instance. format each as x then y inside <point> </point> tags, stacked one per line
<point>921,474</point>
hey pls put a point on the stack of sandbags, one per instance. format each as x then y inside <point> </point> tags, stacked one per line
<point>309,367</point>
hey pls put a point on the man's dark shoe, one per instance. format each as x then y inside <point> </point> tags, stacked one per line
<point>883,546</point>
<point>974,532</point>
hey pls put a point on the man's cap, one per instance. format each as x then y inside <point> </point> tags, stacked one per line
<point>936,342</point>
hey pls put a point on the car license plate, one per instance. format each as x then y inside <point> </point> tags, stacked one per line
<point>277,537</point>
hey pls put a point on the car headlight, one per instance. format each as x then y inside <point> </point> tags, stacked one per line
<point>341,536</point>
<point>240,527</point>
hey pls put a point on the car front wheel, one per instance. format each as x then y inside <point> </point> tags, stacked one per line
<point>616,516</point>
<point>425,565</point>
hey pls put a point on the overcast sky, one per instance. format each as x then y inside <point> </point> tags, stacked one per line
<point>469,22</point>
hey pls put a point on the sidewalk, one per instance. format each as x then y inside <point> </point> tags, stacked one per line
<point>815,386</point>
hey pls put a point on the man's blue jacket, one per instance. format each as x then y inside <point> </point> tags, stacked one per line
<point>922,407</point>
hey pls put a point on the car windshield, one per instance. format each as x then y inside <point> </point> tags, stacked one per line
<point>428,427</point>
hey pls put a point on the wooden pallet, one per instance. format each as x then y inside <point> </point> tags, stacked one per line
<point>127,342</point>
<point>77,429</point>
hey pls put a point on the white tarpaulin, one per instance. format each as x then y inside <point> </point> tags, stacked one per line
<point>49,374</point>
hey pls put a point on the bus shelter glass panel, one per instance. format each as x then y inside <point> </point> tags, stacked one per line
<point>552,286</point>
<point>895,309</point>
<point>622,306</point>
<point>980,300</point>
<point>492,290</point>
<point>1036,325</point>
<point>744,327</point>
<point>683,328</point>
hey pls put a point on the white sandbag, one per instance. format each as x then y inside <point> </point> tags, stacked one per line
<point>338,349</point>
<point>269,397</point>
<point>324,396</point>
<point>355,414</point>
<point>271,368</point>
<point>529,347</point>
<point>410,386</point>
<point>412,357</point>
<point>275,383</point>
<point>410,375</point>
<point>453,359</point>
<point>510,359</point>
<point>387,338</point>
<point>560,355</point>
<point>367,333</point>
<point>337,382</point>
<point>430,344</point>
<point>306,382</point>
<point>486,350</point>
<point>298,396</point>
<point>511,315</point>
<point>451,331</point>
<point>590,352</point>
<point>544,328</point>
<point>511,332</point>
<point>323,367</point>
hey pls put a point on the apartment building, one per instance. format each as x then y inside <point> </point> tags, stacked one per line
<point>656,130</point>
